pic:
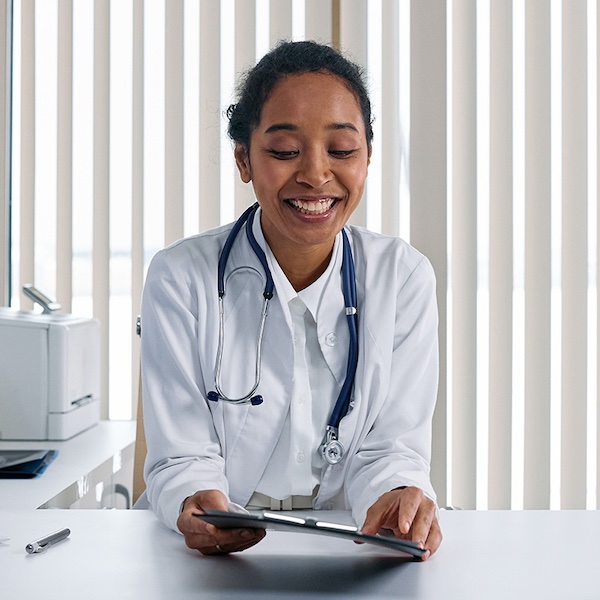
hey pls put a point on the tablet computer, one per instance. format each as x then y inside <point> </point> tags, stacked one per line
<point>264,519</point>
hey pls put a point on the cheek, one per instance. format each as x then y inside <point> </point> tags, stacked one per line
<point>271,176</point>
<point>267,189</point>
<point>355,179</point>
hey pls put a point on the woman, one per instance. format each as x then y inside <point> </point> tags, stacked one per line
<point>302,133</point>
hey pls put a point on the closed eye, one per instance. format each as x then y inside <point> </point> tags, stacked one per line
<point>284,154</point>
<point>342,153</point>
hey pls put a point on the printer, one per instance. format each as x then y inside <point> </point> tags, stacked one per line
<point>49,374</point>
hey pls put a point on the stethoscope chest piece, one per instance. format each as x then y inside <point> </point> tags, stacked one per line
<point>332,450</point>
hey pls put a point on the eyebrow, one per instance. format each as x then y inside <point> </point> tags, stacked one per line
<point>290,127</point>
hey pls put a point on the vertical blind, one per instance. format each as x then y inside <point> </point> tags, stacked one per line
<point>522,249</point>
<point>485,158</point>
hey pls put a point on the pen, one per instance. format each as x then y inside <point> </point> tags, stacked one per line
<point>40,545</point>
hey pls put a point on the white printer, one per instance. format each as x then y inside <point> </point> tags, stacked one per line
<point>49,373</point>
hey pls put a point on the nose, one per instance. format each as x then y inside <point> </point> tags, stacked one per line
<point>314,168</point>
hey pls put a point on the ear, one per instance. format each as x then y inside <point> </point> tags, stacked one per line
<point>242,160</point>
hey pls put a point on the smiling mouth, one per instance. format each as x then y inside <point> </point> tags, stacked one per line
<point>312,207</point>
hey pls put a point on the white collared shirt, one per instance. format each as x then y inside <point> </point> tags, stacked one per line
<point>295,465</point>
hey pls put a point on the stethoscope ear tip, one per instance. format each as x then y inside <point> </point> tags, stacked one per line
<point>213,396</point>
<point>256,400</point>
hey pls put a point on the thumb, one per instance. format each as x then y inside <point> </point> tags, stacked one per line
<point>213,499</point>
<point>207,499</point>
<point>373,521</point>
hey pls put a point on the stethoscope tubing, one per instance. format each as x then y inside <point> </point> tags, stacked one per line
<point>350,301</point>
<point>257,365</point>
<point>349,291</point>
<point>247,218</point>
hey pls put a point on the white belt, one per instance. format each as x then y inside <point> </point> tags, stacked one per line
<point>260,501</point>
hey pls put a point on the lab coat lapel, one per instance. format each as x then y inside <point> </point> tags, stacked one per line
<point>332,326</point>
<point>372,373</point>
<point>257,428</point>
<point>366,394</point>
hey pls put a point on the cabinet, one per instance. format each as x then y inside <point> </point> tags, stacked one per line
<point>108,485</point>
<point>93,470</point>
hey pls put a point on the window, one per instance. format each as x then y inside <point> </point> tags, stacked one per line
<point>485,158</point>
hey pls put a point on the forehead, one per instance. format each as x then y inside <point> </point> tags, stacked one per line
<point>312,96</point>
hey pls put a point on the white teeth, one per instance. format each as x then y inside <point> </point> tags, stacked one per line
<point>313,207</point>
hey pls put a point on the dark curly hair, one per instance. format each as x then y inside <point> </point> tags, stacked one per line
<point>290,58</point>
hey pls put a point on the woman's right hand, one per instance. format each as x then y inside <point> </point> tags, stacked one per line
<point>207,538</point>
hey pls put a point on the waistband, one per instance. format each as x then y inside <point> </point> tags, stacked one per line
<point>260,501</point>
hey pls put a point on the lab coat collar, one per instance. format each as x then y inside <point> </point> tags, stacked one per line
<point>311,296</point>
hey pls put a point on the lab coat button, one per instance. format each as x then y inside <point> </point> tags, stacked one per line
<point>300,457</point>
<point>301,399</point>
<point>331,339</point>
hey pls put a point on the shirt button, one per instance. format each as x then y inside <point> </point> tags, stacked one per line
<point>300,457</point>
<point>301,399</point>
<point>331,339</point>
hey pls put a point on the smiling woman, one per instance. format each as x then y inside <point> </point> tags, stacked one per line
<point>346,368</point>
<point>307,160</point>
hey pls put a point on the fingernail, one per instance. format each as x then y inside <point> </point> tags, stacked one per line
<point>247,534</point>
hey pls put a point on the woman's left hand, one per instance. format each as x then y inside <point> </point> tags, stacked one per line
<point>409,514</point>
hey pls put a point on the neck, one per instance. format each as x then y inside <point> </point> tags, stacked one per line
<point>300,272</point>
<point>302,265</point>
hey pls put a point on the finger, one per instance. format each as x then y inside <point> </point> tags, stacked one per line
<point>205,500</point>
<point>257,536</point>
<point>210,550</point>
<point>231,538</point>
<point>421,524</point>
<point>236,545</point>
<point>236,537</point>
<point>409,504</point>
<point>434,540</point>
<point>190,525</point>
<point>374,520</point>
<point>197,533</point>
<point>383,513</point>
<point>199,503</point>
<point>194,529</point>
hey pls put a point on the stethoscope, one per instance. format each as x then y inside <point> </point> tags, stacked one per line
<point>331,448</point>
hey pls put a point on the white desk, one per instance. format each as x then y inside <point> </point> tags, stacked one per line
<point>130,555</point>
<point>84,462</point>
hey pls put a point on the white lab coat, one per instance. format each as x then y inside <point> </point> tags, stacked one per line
<point>194,444</point>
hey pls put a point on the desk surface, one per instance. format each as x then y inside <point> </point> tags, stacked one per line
<point>130,555</point>
<point>102,449</point>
